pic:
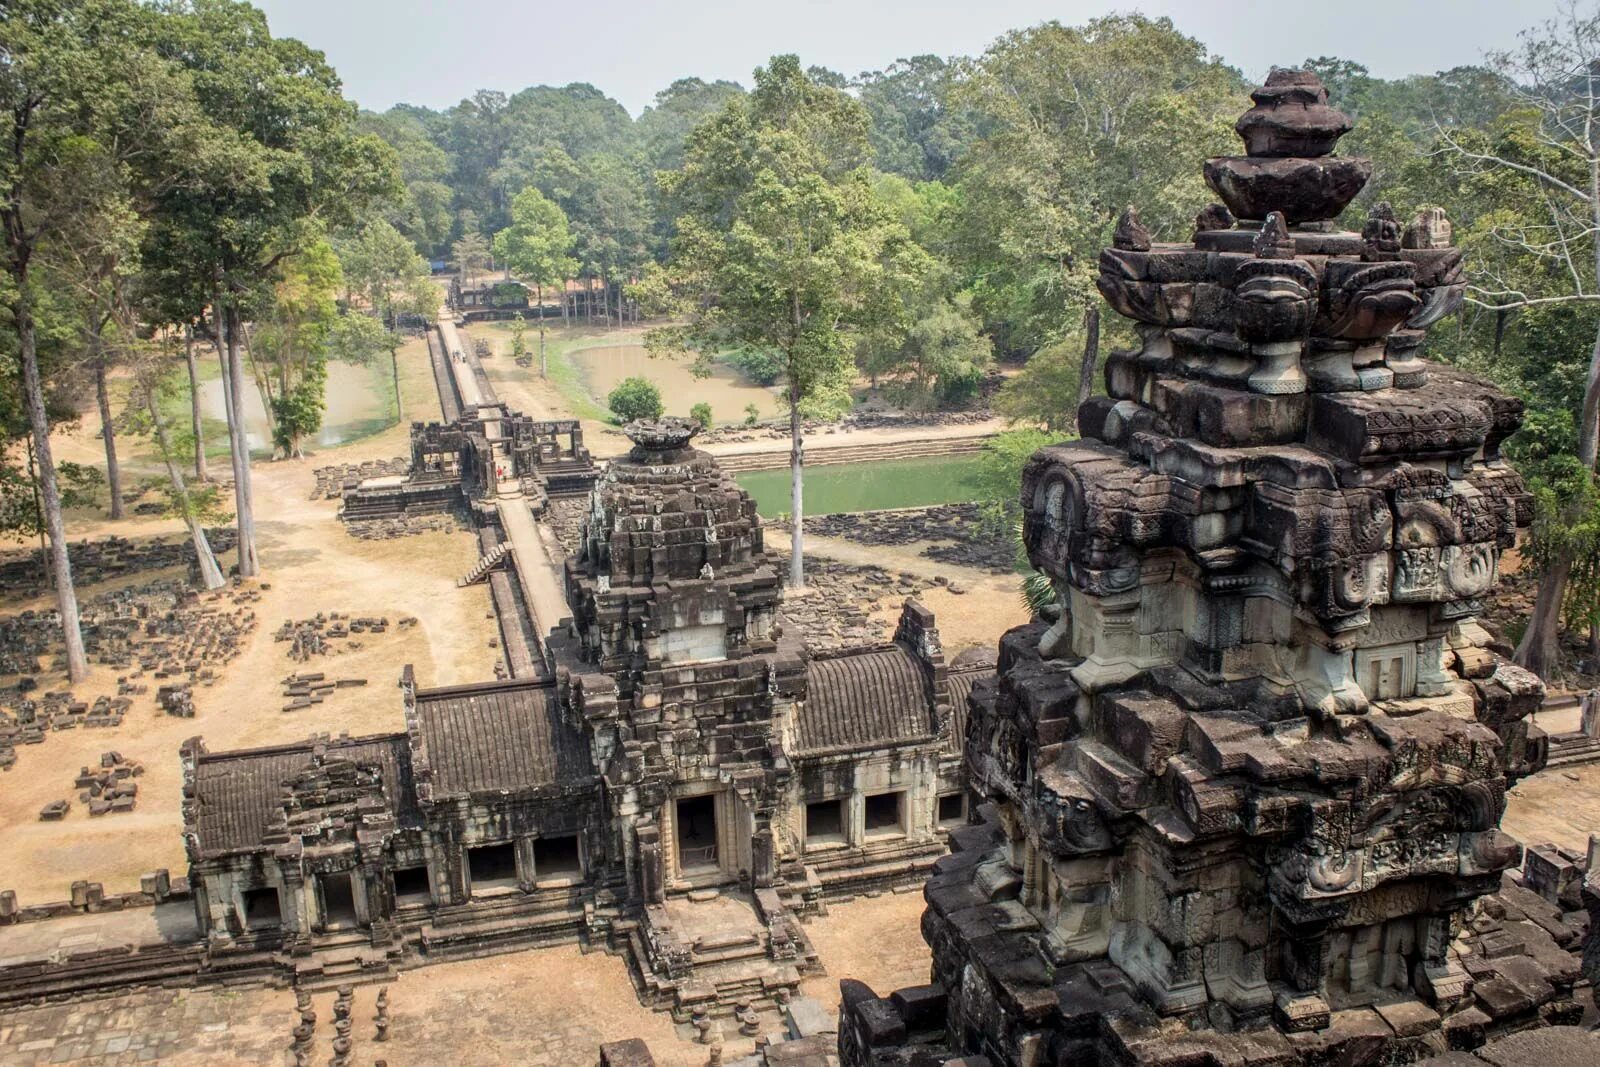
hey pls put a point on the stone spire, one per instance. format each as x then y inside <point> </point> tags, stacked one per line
<point>1250,777</point>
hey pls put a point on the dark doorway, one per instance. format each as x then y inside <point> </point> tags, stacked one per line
<point>825,822</point>
<point>262,909</point>
<point>883,816</point>
<point>338,900</point>
<point>557,858</point>
<point>411,886</point>
<point>493,867</point>
<point>952,809</point>
<point>697,833</point>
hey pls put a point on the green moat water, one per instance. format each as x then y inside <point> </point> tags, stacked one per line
<point>869,486</point>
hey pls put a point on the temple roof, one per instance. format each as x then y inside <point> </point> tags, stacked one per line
<point>237,793</point>
<point>959,683</point>
<point>864,700</point>
<point>499,737</point>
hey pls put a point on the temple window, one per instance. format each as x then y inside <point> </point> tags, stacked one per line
<point>952,809</point>
<point>412,887</point>
<point>557,859</point>
<point>493,867</point>
<point>884,814</point>
<point>263,909</point>
<point>825,823</point>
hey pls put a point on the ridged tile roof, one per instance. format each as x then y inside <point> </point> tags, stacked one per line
<point>959,684</point>
<point>236,793</point>
<point>499,737</point>
<point>864,700</point>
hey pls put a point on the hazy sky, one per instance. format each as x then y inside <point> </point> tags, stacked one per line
<point>413,51</point>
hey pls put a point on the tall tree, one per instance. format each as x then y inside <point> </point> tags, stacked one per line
<point>283,160</point>
<point>1078,122</point>
<point>74,81</point>
<point>537,246</point>
<point>782,246</point>
<point>470,253</point>
<point>1540,248</point>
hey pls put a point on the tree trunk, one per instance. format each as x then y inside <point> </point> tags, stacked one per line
<point>210,573</point>
<point>543,369</point>
<point>394,367</point>
<point>38,516</point>
<point>249,566</point>
<point>1091,359</point>
<point>50,492</point>
<point>797,570</point>
<point>195,413</point>
<point>1540,648</point>
<point>108,434</point>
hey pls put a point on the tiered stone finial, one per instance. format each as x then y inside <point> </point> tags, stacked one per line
<point>1288,167</point>
<point>670,433</point>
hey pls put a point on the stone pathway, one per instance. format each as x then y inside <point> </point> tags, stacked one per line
<point>57,938</point>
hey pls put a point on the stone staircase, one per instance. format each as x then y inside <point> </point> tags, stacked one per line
<point>828,455</point>
<point>1567,749</point>
<point>486,563</point>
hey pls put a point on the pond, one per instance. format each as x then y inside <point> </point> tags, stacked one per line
<point>869,486</point>
<point>727,391</point>
<point>360,401</point>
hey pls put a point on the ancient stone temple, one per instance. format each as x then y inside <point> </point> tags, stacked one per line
<point>684,785</point>
<point>1244,783</point>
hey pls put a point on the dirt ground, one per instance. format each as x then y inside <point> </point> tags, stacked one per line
<point>549,1008</point>
<point>1560,806</point>
<point>310,565</point>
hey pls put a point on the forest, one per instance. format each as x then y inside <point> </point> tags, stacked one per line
<point>184,183</point>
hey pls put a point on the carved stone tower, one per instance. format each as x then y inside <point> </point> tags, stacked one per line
<point>1250,773</point>
<point>672,567</point>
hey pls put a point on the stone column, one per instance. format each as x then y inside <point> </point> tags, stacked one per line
<point>763,856</point>
<point>652,867</point>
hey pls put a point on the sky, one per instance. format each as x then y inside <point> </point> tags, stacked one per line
<point>435,54</point>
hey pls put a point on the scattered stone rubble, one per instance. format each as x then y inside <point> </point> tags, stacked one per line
<point>164,628</point>
<point>107,788</point>
<point>311,637</point>
<point>22,574</point>
<point>961,533</point>
<point>389,529</point>
<point>331,482</point>
<point>304,690</point>
<point>837,612</point>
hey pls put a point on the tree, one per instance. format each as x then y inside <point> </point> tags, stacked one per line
<point>916,132</point>
<point>1541,247</point>
<point>289,346</point>
<point>73,84</point>
<point>1046,393</point>
<point>635,398</point>
<point>781,246</point>
<point>394,281</point>
<point>1076,123</point>
<point>537,246</point>
<point>281,162</point>
<point>469,254</point>
<point>701,413</point>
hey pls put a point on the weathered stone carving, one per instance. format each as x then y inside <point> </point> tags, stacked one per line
<point>1248,780</point>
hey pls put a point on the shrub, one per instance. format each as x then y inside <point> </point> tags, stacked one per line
<point>763,368</point>
<point>701,413</point>
<point>752,414</point>
<point>635,398</point>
